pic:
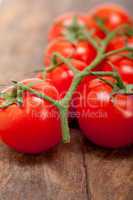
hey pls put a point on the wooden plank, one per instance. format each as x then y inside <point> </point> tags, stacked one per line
<point>109,173</point>
<point>78,171</point>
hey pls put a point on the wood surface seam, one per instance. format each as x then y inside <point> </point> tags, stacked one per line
<point>88,192</point>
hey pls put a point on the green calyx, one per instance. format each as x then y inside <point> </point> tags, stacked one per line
<point>13,96</point>
<point>63,105</point>
<point>76,31</point>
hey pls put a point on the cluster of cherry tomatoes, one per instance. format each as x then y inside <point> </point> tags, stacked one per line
<point>34,126</point>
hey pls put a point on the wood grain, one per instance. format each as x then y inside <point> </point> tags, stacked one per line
<point>78,171</point>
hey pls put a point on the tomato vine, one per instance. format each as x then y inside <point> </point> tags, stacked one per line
<point>63,104</point>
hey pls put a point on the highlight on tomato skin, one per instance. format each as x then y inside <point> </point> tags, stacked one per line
<point>105,121</point>
<point>112,15</point>
<point>64,21</point>
<point>33,127</point>
<point>80,50</point>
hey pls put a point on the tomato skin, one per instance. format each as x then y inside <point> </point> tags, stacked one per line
<point>61,46</point>
<point>106,123</point>
<point>113,15</point>
<point>81,50</point>
<point>29,129</point>
<point>124,66</point>
<point>62,22</point>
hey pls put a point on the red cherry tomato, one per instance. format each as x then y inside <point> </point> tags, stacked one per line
<point>122,64</point>
<point>61,77</point>
<point>104,120</point>
<point>118,43</point>
<point>112,15</point>
<point>33,127</point>
<point>62,22</point>
<point>124,67</point>
<point>61,46</point>
<point>81,50</point>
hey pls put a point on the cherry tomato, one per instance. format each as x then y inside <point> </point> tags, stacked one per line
<point>117,43</point>
<point>62,22</point>
<point>120,42</point>
<point>61,46</point>
<point>112,16</point>
<point>33,127</point>
<point>104,120</point>
<point>81,50</point>
<point>124,66</point>
<point>61,77</point>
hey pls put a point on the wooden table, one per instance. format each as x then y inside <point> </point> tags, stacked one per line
<point>77,171</point>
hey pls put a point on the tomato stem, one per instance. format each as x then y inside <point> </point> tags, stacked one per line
<point>118,51</point>
<point>65,125</point>
<point>52,67</point>
<point>90,38</point>
<point>40,95</point>
<point>101,23</point>
<point>67,61</point>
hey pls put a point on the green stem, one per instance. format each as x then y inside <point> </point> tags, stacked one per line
<point>119,80</point>
<point>101,23</point>
<point>67,62</point>
<point>109,38</point>
<point>40,95</point>
<point>79,76</point>
<point>90,38</point>
<point>66,100</point>
<point>118,51</point>
<point>65,125</point>
<point>19,96</point>
<point>94,63</point>
<point>102,73</point>
<point>52,67</point>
